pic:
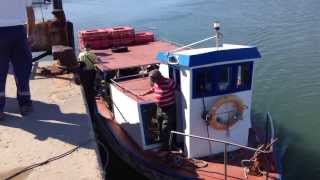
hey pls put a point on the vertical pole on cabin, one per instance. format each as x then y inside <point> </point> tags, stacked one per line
<point>218,36</point>
<point>225,160</point>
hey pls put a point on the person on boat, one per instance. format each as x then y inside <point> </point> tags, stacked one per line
<point>14,49</point>
<point>164,93</point>
<point>87,74</point>
<point>88,58</point>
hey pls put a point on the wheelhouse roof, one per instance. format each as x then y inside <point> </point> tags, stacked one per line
<point>204,56</point>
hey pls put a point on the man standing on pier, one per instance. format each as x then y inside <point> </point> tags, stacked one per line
<point>14,48</point>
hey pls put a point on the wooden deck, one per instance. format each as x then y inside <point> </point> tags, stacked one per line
<point>58,124</point>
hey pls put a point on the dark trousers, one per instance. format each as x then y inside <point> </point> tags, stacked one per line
<point>168,124</point>
<point>14,48</point>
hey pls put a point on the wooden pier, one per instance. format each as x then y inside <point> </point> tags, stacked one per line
<point>59,123</point>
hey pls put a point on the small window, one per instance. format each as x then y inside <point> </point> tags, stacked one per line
<point>203,83</point>
<point>224,78</point>
<point>243,75</point>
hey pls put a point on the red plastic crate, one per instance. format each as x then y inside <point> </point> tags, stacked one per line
<point>96,44</point>
<point>95,34</point>
<point>122,32</point>
<point>122,42</point>
<point>144,37</point>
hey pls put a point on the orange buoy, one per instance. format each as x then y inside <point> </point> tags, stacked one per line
<point>214,121</point>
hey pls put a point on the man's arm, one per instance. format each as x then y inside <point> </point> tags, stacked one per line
<point>147,92</point>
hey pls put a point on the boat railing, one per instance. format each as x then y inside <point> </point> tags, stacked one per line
<point>123,78</point>
<point>126,90</point>
<point>228,143</point>
<point>269,124</point>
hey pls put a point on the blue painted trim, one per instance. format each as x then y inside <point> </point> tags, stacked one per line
<point>211,57</point>
<point>162,57</point>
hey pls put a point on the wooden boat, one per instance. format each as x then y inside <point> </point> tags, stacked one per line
<point>218,137</point>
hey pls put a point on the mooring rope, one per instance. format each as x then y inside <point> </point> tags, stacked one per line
<point>33,166</point>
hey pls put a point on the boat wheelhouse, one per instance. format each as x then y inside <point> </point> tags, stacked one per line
<point>215,96</point>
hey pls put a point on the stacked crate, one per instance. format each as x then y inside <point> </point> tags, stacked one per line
<point>96,39</point>
<point>144,37</point>
<point>113,37</point>
<point>122,36</point>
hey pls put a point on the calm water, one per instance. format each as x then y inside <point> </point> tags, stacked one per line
<point>287,32</point>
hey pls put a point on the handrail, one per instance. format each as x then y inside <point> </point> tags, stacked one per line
<point>126,90</point>
<point>269,118</point>
<point>192,44</point>
<point>226,144</point>
<point>131,76</point>
<point>221,141</point>
<point>270,122</point>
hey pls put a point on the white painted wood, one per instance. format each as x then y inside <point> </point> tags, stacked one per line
<point>185,76</point>
<point>194,124</point>
<point>238,132</point>
<point>128,114</point>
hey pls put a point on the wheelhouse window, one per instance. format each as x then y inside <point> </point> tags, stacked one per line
<point>203,82</point>
<point>243,75</point>
<point>224,78</point>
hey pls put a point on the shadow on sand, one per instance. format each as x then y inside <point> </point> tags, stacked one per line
<point>48,121</point>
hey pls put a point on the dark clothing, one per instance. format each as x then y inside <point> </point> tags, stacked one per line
<point>167,124</point>
<point>14,48</point>
<point>87,78</point>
